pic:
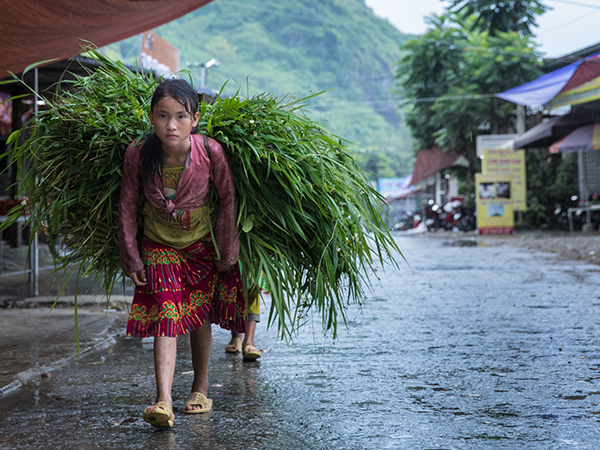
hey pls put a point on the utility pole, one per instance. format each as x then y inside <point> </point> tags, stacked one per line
<point>521,116</point>
<point>521,128</point>
<point>203,68</point>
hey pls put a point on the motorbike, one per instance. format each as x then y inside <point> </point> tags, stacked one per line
<point>463,218</point>
<point>560,216</point>
<point>406,221</point>
<point>457,217</point>
<point>431,216</point>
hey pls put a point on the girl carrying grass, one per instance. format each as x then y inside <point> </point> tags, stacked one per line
<point>183,280</point>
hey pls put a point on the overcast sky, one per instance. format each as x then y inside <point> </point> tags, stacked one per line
<point>571,24</point>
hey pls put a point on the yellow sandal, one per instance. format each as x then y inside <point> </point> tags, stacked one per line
<point>159,418</point>
<point>198,399</point>
<point>234,346</point>
<point>251,353</point>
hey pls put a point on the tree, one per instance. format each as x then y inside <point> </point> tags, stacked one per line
<point>430,65</point>
<point>383,163</point>
<point>500,16</point>
<point>451,75</point>
<point>551,181</point>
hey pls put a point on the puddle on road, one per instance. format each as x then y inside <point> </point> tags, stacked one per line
<point>472,242</point>
<point>452,373</point>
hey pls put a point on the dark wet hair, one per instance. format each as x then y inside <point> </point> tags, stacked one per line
<point>153,158</point>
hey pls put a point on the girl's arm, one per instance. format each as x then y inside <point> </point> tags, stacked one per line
<point>226,235</point>
<point>128,221</point>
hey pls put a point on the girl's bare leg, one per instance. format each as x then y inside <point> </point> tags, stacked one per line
<point>201,341</point>
<point>165,354</point>
<point>249,338</point>
<point>231,347</point>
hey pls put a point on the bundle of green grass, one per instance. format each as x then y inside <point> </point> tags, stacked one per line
<point>310,223</point>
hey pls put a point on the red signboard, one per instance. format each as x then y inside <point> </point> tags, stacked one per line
<point>158,55</point>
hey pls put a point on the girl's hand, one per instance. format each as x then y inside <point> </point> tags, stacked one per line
<point>223,267</point>
<point>138,278</point>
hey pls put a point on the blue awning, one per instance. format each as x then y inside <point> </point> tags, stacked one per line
<point>543,89</point>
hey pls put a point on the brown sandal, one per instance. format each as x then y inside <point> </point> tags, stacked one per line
<point>198,399</point>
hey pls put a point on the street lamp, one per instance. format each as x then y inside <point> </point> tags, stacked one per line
<point>203,68</point>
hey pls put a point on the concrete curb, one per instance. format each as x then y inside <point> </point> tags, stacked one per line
<point>69,300</point>
<point>103,338</point>
<point>29,375</point>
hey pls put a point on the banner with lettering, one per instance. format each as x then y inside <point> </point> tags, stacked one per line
<point>511,163</point>
<point>494,204</point>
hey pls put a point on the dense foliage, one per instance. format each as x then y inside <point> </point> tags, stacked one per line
<point>383,163</point>
<point>499,16</point>
<point>551,181</point>
<point>451,76</point>
<point>300,46</point>
<point>310,221</point>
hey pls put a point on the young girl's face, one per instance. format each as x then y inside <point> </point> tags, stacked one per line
<point>172,123</point>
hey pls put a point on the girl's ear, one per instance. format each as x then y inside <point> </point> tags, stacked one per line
<point>196,117</point>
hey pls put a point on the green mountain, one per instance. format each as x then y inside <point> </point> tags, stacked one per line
<point>300,47</point>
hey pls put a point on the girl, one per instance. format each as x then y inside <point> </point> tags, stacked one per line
<point>183,281</point>
<point>236,345</point>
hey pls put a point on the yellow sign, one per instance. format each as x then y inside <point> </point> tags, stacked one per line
<point>587,92</point>
<point>494,204</point>
<point>511,164</point>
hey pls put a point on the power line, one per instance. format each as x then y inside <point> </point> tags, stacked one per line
<point>577,19</point>
<point>492,50</point>
<point>501,51</point>
<point>314,18</point>
<point>405,99</point>
<point>451,97</point>
<point>569,2</point>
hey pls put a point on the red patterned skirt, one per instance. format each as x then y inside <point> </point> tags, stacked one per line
<point>184,289</point>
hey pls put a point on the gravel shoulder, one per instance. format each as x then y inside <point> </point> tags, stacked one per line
<point>566,246</point>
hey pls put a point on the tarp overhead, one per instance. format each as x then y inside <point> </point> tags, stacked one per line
<point>586,93</point>
<point>557,127</point>
<point>540,131</point>
<point>32,31</point>
<point>543,89</point>
<point>431,161</point>
<point>394,187</point>
<point>580,140</point>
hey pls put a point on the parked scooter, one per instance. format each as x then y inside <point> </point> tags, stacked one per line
<point>447,216</point>
<point>406,221</point>
<point>416,220</point>
<point>463,218</point>
<point>560,215</point>
<point>431,214</point>
<point>453,216</point>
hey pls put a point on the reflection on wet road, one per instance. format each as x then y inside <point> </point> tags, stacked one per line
<point>471,347</point>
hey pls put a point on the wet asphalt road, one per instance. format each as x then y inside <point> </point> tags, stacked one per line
<point>471,347</point>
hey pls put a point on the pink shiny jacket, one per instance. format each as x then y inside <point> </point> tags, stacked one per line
<point>200,168</point>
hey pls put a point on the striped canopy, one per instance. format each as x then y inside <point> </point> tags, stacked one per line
<point>579,140</point>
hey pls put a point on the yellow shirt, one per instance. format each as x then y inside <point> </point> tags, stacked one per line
<point>182,230</point>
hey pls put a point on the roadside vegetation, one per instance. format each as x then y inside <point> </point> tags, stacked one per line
<point>301,47</point>
<point>448,79</point>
